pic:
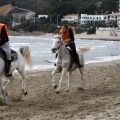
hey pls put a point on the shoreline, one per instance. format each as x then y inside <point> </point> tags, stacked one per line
<point>83,36</point>
<point>95,65</point>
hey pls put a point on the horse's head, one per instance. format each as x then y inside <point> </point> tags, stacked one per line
<point>56,43</point>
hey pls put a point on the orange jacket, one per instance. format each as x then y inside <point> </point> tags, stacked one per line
<point>65,36</point>
<point>1,25</point>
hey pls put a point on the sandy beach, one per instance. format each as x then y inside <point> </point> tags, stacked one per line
<point>99,101</point>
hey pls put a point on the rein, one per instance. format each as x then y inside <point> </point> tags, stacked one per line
<point>57,55</point>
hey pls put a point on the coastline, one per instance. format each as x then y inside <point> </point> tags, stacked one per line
<point>97,37</point>
<point>77,36</point>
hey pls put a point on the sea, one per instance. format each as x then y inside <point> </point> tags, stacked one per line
<point>44,59</point>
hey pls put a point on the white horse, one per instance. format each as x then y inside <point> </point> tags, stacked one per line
<point>19,65</point>
<point>64,64</point>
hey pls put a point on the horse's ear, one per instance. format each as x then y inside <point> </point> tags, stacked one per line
<point>57,36</point>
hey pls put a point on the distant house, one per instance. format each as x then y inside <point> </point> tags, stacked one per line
<point>71,18</point>
<point>42,16</point>
<point>113,17</point>
<point>19,14</point>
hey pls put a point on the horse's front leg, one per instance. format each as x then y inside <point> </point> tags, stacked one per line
<point>8,84</point>
<point>53,77</point>
<point>64,72</point>
<point>69,81</point>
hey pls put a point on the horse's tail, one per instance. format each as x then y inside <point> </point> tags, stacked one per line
<point>25,51</point>
<point>84,49</point>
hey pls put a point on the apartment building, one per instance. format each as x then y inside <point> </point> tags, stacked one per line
<point>86,19</point>
<point>89,19</point>
<point>71,18</point>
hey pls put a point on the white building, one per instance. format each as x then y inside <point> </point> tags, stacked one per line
<point>119,16</point>
<point>88,19</point>
<point>71,18</point>
<point>41,16</point>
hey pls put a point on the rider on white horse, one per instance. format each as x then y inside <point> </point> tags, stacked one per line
<point>4,45</point>
<point>68,38</point>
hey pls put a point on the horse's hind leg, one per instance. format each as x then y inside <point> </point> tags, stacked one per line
<point>81,87</point>
<point>23,82</point>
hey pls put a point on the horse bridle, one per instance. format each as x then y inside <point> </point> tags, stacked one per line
<point>59,46</point>
<point>60,42</point>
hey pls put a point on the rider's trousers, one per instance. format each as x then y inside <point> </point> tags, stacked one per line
<point>7,49</point>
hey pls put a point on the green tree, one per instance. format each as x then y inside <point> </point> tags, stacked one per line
<point>108,5</point>
<point>87,8</point>
<point>62,9</point>
<point>6,19</point>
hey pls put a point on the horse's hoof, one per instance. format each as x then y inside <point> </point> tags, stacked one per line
<point>25,93</point>
<point>81,88</point>
<point>67,90</point>
<point>55,86</point>
<point>2,102</point>
<point>57,92</point>
<point>6,93</point>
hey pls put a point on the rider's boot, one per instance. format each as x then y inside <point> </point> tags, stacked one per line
<point>78,62</point>
<point>55,57</point>
<point>7,72</point>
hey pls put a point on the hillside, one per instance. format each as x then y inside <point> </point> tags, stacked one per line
<point>28,4</point>
<point>55,9</point>
<point>64,7</point>
<point>40,4</point>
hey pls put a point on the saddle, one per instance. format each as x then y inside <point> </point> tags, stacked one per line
<point>14,55</point>
<point>72,58</point>
<point>71,54</point>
